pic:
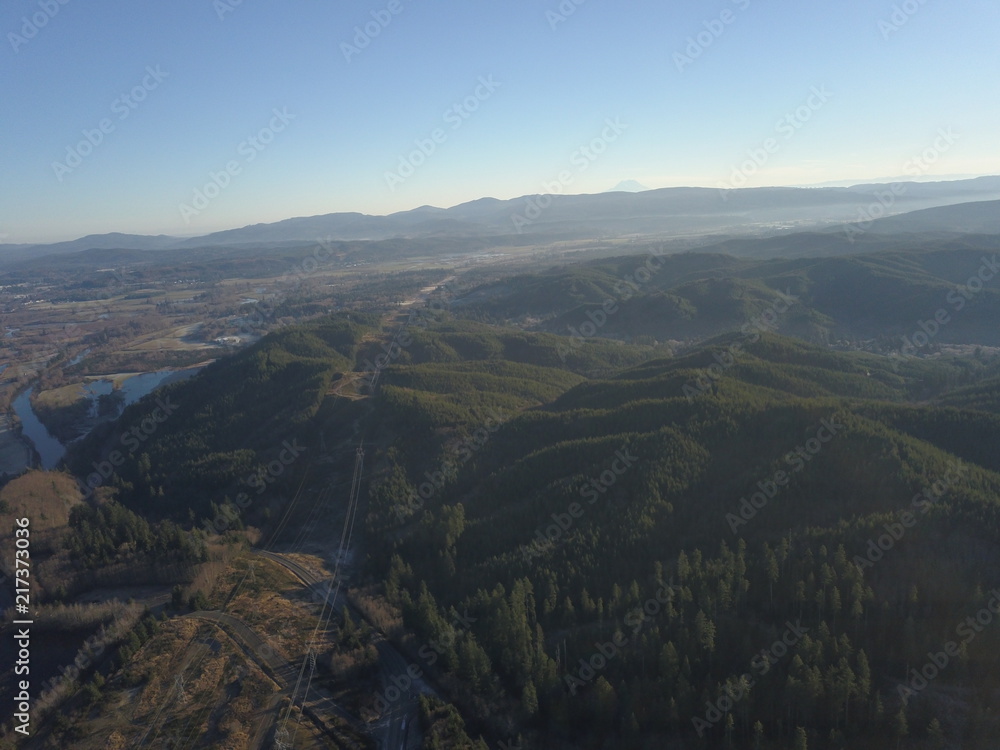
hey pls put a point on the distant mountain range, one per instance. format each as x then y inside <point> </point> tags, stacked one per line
<point>675,212</point>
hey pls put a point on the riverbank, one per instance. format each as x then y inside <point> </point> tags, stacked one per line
<point>81,411</point>
<point>16,456</point>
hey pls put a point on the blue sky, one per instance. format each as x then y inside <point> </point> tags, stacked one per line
<point>212,73</point>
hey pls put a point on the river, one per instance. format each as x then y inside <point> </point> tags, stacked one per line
<point>50,450</point>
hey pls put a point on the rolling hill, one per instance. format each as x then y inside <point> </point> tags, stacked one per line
<point>690,296</point>
<point>676,536</point>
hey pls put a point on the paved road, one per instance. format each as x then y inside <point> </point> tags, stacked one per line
<point>403,705</point>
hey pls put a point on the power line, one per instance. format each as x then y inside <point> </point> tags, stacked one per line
<point>324,618</point>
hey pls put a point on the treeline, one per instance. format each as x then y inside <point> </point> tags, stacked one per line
<point>453,340</point>
<point>110,533</point>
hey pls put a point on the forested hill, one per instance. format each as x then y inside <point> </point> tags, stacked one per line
<point>758,537</point>
<point>224,427</point>
<point>307,386</point>
<point>692,296</point>
<point>678,532</point>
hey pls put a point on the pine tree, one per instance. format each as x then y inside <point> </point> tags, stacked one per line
<point>936,734</point>
<point>773,572</point>
<point>605,703</point>
<point>704,630</point>
<point>900,726</point>
<point>864,677</point>
<point>529,699</point>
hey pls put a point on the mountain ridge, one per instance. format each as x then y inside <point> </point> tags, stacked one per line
<point>673,210</point>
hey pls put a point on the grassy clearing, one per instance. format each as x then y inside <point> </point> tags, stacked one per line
<point>44,497</point>
<point>174,339</point>
<point>215,705</point>
<point>270,600</point>
<point>61,398</point>
<point>191,683</point>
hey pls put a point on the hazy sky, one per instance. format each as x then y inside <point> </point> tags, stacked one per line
<point>312,116</point>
